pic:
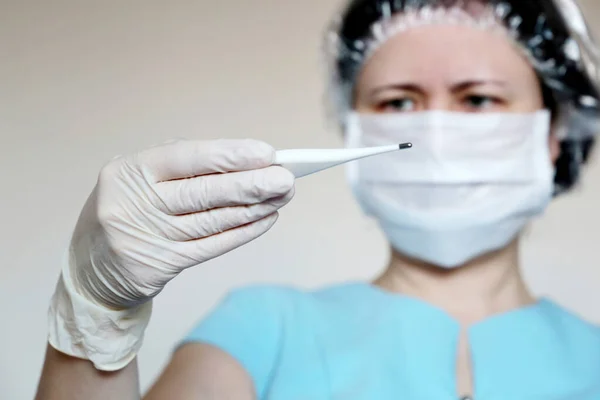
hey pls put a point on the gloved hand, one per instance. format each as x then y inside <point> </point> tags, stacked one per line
<point>150,216</point>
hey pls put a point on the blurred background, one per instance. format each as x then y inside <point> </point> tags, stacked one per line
<point>82,81</point>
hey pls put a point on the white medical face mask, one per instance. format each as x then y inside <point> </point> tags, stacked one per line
<point>468,186</point>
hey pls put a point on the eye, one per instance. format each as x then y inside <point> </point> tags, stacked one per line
<point>481,102</point>
<point>397,105</point>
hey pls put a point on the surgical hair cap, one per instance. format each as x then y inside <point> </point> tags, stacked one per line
<point>552,34</point>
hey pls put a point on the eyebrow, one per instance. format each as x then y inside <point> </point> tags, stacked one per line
<point>456,87</point>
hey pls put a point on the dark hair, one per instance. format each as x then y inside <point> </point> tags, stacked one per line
<point>541,29</point>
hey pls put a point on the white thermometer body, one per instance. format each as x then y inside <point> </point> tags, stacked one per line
<point>302,162</point>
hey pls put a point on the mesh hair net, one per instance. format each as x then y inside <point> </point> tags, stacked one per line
<point>552,35</point>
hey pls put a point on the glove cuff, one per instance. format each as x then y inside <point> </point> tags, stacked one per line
<point>78,327</point>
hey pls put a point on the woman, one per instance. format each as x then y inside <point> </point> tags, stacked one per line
<point>499,99</point>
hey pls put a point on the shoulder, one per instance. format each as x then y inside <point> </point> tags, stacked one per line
<point>264,312</point>
<point>274,302</point>
<point>254,323</point>
<point>569,324</point>
<point>246,326</point>
<point>246,316</point>
<point>580,338</point>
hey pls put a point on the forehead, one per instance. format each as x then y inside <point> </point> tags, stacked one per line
<point>447,53</point>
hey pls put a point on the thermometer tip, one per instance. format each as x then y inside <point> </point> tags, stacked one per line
<point>403,146</point>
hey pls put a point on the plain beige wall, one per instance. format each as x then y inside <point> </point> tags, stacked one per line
<point>81,81</point>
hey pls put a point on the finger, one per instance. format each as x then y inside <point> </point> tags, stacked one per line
<point>211,247</point>
<point>208,223</point>
<point>188,158</point>
<point>208,192</point>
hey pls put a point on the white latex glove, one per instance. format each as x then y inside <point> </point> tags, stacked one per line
<point>151,216</point>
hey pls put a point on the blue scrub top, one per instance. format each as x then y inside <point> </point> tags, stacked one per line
<point>356,341</point>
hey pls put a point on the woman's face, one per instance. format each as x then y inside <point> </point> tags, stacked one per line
<point>452,68</point>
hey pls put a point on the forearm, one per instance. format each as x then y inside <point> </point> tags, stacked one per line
<point>69,378</point>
